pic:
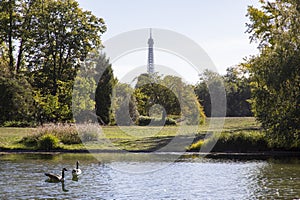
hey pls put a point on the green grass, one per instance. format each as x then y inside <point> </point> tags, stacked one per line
<point>10,137</point>
<point>125,138</point>
<point>234,141</point>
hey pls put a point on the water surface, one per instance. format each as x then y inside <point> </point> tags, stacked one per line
<point>111,176</point>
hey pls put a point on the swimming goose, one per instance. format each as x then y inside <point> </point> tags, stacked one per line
<point>55,177</point>
<point>76,171</point>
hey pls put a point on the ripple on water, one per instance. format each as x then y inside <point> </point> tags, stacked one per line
<point>188,178</point>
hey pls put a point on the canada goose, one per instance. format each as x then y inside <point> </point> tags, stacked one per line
<point>76,171</point>
<point>55,177</point>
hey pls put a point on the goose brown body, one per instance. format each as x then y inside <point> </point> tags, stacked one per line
<point>56,177</point>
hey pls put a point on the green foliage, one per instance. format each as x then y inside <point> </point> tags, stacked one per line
<point>48,142</point>
<point>103,95</point>
<point>48,36</point>
<point>210,92</point>
<point>237,88</point>
<point>145,121</point>
<point>275,73</point>
<point>125,105</point>
<point>83,102</point>
<point>51,108</point>
<point>238,92</point>
<point>196,146</point>
<point>174,97</point>
<point>66,134</point>
<point>45,40</point>
<point>240,141</point>
<point>16,102</point>
<point>18,124</point>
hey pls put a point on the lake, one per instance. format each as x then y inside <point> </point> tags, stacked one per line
<point>148,176</point>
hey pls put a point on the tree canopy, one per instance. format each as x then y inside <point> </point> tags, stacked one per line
<point>173,95</point>
<point>45,41</point>
<point>275,72</point>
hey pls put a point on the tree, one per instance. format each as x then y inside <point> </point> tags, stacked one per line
<point>38,32</point>
<point>63,33</point>
<point>105,85</point>
<point>9,17</point>
<point>275,72</point>
<point>151,91</point>
<point>175,98</point>
<point>209,91</point>
<point>125,105</point>
<point>238,93</point>
<point>237,87</point>
<point>83,99</point>
<point>16,100</point>
<point>45,40</point>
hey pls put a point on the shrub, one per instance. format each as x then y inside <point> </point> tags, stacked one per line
<point>250,141</point>
<point>67,134</point>
<point>196,146</point>
<point>48,142</point>
<point>30,140</point>
<point>18,124</point>
<point>88,132</point>
<point>145,121</point>
<point>170,122</point>
<point>16,99</point>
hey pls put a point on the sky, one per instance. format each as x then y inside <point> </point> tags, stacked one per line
<point>217,26</point>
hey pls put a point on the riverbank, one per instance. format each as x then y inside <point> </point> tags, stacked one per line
<point>145,139</point>
<point>181,155</point>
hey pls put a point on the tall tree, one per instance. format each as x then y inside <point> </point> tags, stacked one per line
<point>275,72</point>
<point>105,84</point>
<point>9,17</point>
<point>16,99</point>
<point>238,93</point>
<point>125,105</point>
<point>210,85</point>
<point>63,33</point>
<point>45,40</point>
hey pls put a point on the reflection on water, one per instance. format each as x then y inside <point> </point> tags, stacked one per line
<point>191,177</point>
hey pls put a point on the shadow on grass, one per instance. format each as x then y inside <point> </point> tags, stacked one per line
<point>152,144</point>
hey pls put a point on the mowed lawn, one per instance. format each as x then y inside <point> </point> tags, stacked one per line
<point>9,137</point>
<point>138,138</point>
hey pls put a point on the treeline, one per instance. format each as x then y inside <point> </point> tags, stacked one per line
<point>235,82</point>
<point>44,44</point>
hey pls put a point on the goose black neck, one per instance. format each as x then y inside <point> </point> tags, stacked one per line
<point>63,174</point>
<point>77,165</point>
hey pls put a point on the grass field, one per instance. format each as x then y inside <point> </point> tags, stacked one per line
<point>139,138</point>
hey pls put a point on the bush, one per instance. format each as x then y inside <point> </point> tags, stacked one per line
<point>16,99</point>
<point>88,133</point>
<point>18,124</point>
<point>170,122</point>
<point>30,140</point>
<point>196,146</point>
<point>145,121</point>
<point>48,142</point>
<point>67,134</point>
<point>251,141</point>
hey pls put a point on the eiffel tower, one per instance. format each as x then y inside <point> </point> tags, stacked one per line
<point>150,68</point>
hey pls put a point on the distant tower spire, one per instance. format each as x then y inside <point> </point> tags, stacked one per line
<point>150,54</point>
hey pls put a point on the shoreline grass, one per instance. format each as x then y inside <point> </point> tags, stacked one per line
<point>143,139</point>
